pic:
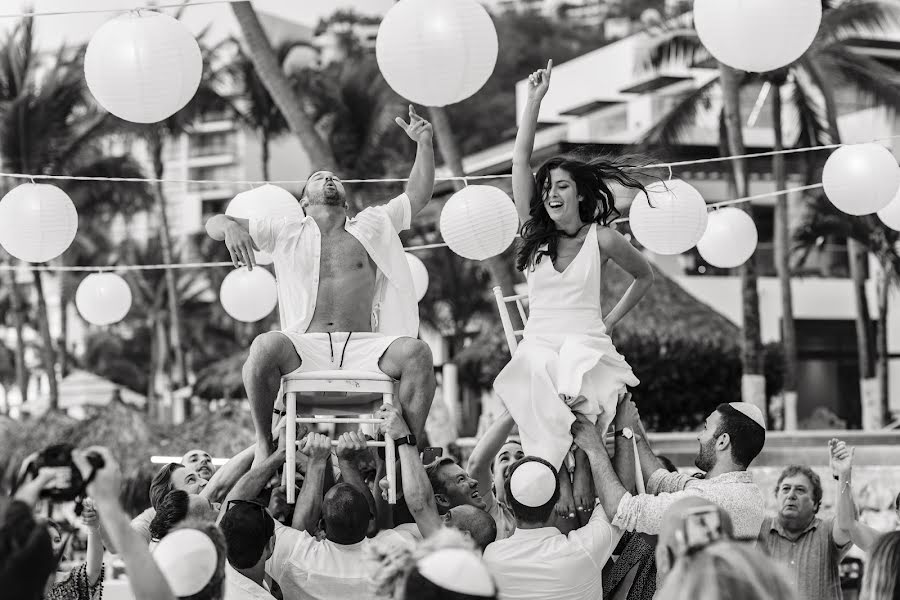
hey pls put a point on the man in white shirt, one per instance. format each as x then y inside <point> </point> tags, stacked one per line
<point>538,561</point>
<point>345,289</point>
<point>250,535</point>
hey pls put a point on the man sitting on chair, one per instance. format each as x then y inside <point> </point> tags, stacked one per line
<point>345,289</point>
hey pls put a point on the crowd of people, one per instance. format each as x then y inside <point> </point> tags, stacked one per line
<point>549,515</point>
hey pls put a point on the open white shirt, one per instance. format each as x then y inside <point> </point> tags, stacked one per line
<point>295,243</point>
<point>308,569</point>
<point>239,587</point>
<point>538,564</point>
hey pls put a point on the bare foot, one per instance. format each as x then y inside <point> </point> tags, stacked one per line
<point>565,506</point>
<point>583,487</point>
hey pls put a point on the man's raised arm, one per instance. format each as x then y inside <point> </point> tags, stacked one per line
<point>420,186</point>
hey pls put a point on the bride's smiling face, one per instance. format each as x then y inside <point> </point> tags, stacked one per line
<point>561,199</point>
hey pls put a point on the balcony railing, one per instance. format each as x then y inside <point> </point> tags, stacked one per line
<point>213,150</point>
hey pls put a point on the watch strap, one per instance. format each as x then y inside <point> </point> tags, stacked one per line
<point>406,439</point>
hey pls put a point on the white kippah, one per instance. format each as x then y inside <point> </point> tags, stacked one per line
<point>532,484</point>
<point>457,570</point>
<point>187,559</point>
<point>751,411</point>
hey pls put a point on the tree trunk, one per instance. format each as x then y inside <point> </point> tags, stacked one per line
<point>18,319</point>
<point>279,87</point>
<point>783,265</point>
<point>264,134</point>
<point>63,325</point>
<point>881,343</point>
<point>753,382</point>
<point>47,353</point>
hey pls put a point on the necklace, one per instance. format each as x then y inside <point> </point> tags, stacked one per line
<point>571,235</point>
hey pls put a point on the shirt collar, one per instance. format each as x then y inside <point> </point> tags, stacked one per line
<point>780,530</point>
<point>540,532</point>
<point>732,477</point>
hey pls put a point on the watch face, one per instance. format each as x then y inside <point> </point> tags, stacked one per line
<point>627,433</point>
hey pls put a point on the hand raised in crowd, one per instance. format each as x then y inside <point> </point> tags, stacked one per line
<point>278,505</point>
<point>30,492</point>
<point>627,414</point>
<point>107,482</point>
<point>539,82</point>
<point>418,129</point>
<point>586,435</point>
<point>350,445</point>
<point>89,515</point>
<point>841,459</point>
<point>316,446</point>
<point>394,426</point>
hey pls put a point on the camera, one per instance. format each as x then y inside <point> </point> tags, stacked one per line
<point>67,483</point>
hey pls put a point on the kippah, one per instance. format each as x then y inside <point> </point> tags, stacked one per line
<point>532,484</point>
<point>457,570</point>
<point>750,411</point>
<point>187,559</point>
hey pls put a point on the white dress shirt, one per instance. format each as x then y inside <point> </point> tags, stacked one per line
<point>238,587</point>
<point>539,564</point>
<point>295,244</point>
<point>308,569</point>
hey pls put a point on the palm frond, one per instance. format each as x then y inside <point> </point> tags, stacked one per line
<point>875,83</point>
<point>669,130</point>
<point>681,47</point>
<point>859,19</point>
<point>808,108</point>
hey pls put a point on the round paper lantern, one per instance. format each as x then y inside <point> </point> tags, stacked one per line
<point>436,52</point>
<point>103,298</point>
<point>890,214</point>
<point>861,179</point>
<point>143,66</point>
<point>479,221</point>
<point>757,35</point>
<point>37,222</point>
<point>248,295</point>
<point>419,275</point>
<point>672,220</point>
<point>730,238</point>
<point>265,201</point>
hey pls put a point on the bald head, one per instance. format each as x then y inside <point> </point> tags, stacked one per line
<point>688,515</point>
<point>474,521</point>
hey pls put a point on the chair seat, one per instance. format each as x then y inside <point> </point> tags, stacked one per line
<point>337,374</point>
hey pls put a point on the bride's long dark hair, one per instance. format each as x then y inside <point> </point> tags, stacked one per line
<point>591,175</point>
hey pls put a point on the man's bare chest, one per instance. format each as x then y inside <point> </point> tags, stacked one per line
<point>341,253</point>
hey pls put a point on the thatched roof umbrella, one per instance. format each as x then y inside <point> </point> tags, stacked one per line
<point>222,379</point>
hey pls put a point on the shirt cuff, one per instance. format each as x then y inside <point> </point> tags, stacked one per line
<point>406,218</point>
<point>626,513</point>
<point>655,480</point>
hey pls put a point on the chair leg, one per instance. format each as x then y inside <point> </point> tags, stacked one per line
<point>390,456</point>
<point>290,463</point>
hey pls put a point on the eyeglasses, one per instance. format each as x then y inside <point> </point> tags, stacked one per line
<point>263,509</point>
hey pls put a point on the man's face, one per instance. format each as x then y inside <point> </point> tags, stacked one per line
<point>323,188</point>
<point>199,462</point>
<point>795,498</point>
<point>187,480</point>
<point>706,455</point>
<point>509,453</point>
<point>461,489</point>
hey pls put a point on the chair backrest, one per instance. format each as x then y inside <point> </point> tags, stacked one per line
<point>508,327</point>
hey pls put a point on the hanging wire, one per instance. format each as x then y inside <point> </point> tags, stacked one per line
<point>53,13</point>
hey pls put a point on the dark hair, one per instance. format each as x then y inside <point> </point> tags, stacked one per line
<point>215,589</point>
<point>591,176</point>
<point>346,514</point>
<point>171,511</point>
<point>247,529</point>
<point>162,483</point>
<point>814,479</point>
<point>747,437</point>
<point>897,502</point>
<point>433,469</point>
<point>417,587</point>
<point>881,581</point>
<point>531,514</point>
<point>26,554</point>
<point>667,463</point>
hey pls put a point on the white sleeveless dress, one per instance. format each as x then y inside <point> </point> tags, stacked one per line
<point>564,350</point>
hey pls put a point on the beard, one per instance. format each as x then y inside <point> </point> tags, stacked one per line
<point>328,197</point>
<point>706,457</point>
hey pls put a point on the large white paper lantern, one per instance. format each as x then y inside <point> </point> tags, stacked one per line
<point>103,298</point>
<point>672,220</point>
<point>249,295</point>
<point>436,52</point>
<point>890,214</point>
<point>37,222</point>
<point>757,35</point>
<point>265,201</point>
<point>730,238</point>
<point>479,221</point>
<point>143,66</point>
<point>861,179</point>
<point>419,275</point>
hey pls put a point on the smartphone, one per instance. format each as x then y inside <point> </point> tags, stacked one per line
<point>700,527</point>
<point>431,454</point>
<point>62,478</point>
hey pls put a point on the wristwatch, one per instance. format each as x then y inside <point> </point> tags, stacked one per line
<point>625,432</point>
<point>407,439</point>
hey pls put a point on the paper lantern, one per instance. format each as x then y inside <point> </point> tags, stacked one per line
<point>37,222</point>
<point>890,214</point>
<point>436,52</point>
<point>103,298</point>
<point>143,66</point>
<point>730,238</point>
<point>861,179</point>
<point>672,220</point>
<point>265,201</point>
<point>479,221</point>
<point>757,35</point>
<point>248,295</point>
<point>419,275</point>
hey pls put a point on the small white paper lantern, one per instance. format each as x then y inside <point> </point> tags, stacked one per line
<point>672,220</point>
<point>265,201</point>
<point>890,214</point>
<point>757,35</point>
<point>103,298</point>
<point>143,66</point>
<point>479,221</point>
<point>436,52</point>
<point>249,295</point>
<point>419,275</point>
<point>37,222</point>
<point>730,238</point>
<point>861,179</point>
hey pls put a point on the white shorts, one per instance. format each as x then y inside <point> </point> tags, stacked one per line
<point>327,352</point>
